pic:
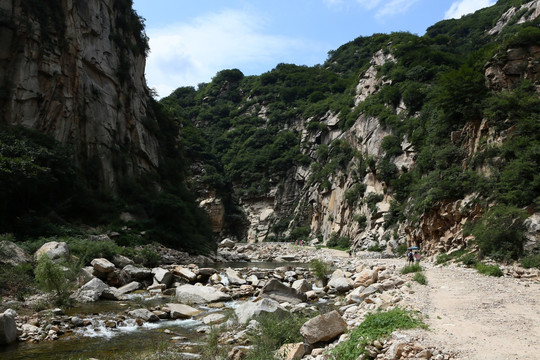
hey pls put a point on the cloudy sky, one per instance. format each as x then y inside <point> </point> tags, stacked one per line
<point>191,40</point>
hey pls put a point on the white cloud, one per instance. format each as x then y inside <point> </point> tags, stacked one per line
<point>463,7</point>
<point>395,7</point>
<point>188,54</point>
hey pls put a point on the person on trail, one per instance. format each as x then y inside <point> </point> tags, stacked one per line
<point>417,257</point>
<point>410,258</point>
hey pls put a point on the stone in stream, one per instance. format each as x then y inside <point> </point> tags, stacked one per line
<point>324,327</point>
<point>144,314</point>
<point>137,273</point>
<point>215,318</point>
<point>234,277</point>
<point>200,294</point>
<point>185,273</point>
<point>251,309</point>
<point>102,265</point>
<point>111,293</point>
<point>181,311</point>
<point>302,285</point>
<point>278,291</point>
<point>95,285</point>
<point>8,328</point>
<point>132,286</point>
<point>162,276</point>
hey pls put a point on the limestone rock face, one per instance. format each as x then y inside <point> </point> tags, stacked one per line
<point>73,77</point>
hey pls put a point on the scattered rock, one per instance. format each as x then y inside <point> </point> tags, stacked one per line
<point>144,314</point>
<point>181,311</point>
<point>200,294</point>
<point>323,328</point>
<point>102,265</point>
<point>252,309</point>
<point>278,291</point>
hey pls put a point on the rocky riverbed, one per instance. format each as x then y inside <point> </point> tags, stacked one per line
<point>193,295</point>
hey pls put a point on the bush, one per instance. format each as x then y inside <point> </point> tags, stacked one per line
<point>375,326</point>
<point>16,280</point>
<point>338,242</point>
<point>500,233</point>
<point>531,261</point>
<point>420,278</point>
<point>490,270</point>
<point>320,268</point>
<point>401,249</point>
<point>469,259</point>
<point>411,268</point>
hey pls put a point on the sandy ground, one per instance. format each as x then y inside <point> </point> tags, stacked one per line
<point>473,316</point>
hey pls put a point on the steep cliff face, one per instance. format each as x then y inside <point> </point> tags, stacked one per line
<point>75,70</point>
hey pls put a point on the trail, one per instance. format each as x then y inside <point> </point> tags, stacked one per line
<point>479,317</point>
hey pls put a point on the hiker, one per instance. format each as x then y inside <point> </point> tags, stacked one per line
<point>410,258</point>
<point>417,257</point>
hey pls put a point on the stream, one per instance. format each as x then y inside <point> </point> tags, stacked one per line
<point>98,341</point>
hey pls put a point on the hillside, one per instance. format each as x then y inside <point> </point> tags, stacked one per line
<point>427,140</point>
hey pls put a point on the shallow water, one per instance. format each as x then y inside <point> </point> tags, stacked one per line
<point>103,343</point>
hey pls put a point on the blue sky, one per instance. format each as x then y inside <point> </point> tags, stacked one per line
<point>191,40</point>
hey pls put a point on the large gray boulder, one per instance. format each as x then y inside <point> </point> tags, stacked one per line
<point>13,255</point>
<point>200,294</point>
<point>280,292</point>
<point>302,285</point>
<point>252,309</point>
<point>340,284</point>
<point>323,328</point>
<point>162,276</point>
<point>8,328</point>
<point>182,311</point>
<point>95,285</point>
<point>55,250</point>
<point>144,314</point>
<point>234,277</point>
<point>137,273</point>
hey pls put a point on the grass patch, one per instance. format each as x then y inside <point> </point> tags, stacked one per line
<point>411,268</point>
<point>273,332</point>
<point>375,326</point>
<point>490,270</point>
<point>420,278</point>
<point>444,258</point>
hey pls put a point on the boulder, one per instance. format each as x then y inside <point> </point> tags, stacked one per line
<point>291,351</point>
<point>95,285</point>
<point>323,328</point>
<point>137,273</point>
<point>234,277</point>
<point>53,249</point>
<point>396,350</point>
<point>278,291</point>
<point>185,273</point>
<point>200,294</point>
<point>121,261</point>
<point>163,276</point>
<point>111,293</point>
<point>302,285</point>
<point>132,286</point>
<point>366,278</point>
<point>214,318</point>
<point>13,255</point>
<point>8,328</point>
<point>355,296</point>
<point>144,314</point>
<point>227,243</point>
<point>181,311</point>
<point>340,284</point>
<point>252,309</point>
<point>102,265</point>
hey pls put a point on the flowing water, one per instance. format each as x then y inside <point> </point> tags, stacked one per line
<point>98,341</point>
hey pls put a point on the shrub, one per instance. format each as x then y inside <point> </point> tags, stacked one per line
<point>375,326</point>
<point>50,277</point>
<point>500,233</point>
<point>16,280</point>
<point>320,268</point>
<point>411,268</point>
<point>401,249</point>
<point>377,248</point>
<point>490,270</point>
<point>338,242</point>
<point>531,261</point>
<point>469,259</point>
<point>420,278</point>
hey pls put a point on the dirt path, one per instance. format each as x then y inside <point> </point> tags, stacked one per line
<point>479,317</point>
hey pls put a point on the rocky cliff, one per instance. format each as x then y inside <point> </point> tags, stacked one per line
<point>75,70</point>
<point>398,148</point>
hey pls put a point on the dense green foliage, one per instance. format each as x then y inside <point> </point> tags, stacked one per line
<point>490,270</point>
<point>411,268</point>
<point>51,278</point>
<point>375,326</point>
